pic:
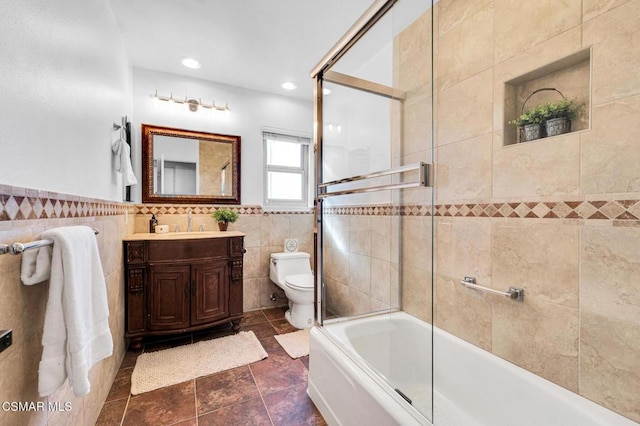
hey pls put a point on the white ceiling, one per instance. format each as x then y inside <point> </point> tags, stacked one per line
<point>255,44</point>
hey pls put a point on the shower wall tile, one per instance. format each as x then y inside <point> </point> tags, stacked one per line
<point>416,240</point>
<point>414,55</point>
<point>607,165</point>
<point>380,280</point>
<point>360,235</point>
<point>539,336</point>
<point>466,109</point>
<point>463,312</point>
<point>416,292</point>
<point>463,248</point>
<point>615,53</point>
<point>548,167</point>
<point>609,363</point>
<point>609,269</point>
<point>416,122</point>
<point>461,176</point>
<point>360,273</point>
<point>541,258</point>
<point>381,237</point>
<point>594,8</point>
<point>453,13</point>
<point>526,24</point>
<point>468,46</point>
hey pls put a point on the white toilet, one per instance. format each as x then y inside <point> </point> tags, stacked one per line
<point>292,273</point>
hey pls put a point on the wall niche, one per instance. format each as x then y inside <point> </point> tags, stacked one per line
<point>570,75</point>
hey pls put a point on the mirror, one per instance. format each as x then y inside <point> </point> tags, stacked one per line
<point>184,166</point>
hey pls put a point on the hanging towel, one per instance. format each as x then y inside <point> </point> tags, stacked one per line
<point>76,331</point>
<point>36,265</point>
<point>122,152</point>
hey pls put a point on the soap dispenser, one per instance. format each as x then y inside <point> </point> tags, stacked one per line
<point>152,223</point>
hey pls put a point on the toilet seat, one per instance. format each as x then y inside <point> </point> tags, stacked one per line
<point>302,282</point>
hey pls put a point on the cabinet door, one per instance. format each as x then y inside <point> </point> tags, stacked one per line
<point>168,297</point>
<point>210,292</point>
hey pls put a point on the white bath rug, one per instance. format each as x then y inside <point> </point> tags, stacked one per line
<point>155,370</point>
<point>296,344</point>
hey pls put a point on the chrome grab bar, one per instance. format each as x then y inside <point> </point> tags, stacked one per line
<point>513,293</point>
<point>18,248</point>
<point>424,179</point>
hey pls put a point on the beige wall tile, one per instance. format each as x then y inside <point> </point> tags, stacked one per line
<point>608,163</point>
<point>542,258</point>
<point>609,269</point>
<point>538,168</point>
<point>279,225</point>
<point>463,312</point>
<point>302,228</point>
<point>466,109</point>
<point>251,263</point>
<point>416,121</point>
<point>453,13</point>
<point>594,8</point>
<point>381,237</point>
<point>461,176</point>
<point>616,53</point>
<point>360,273</point>
<point>467,48</point>
<point>521,25</point>
<point>416,292</point>
<point>381,285</point>
<point>251,293</point>
<point>360,235</point>
<point>609,363</point>
<point>538,336</point>
<point>463,248</point>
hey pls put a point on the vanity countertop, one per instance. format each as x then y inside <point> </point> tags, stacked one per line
<point>146,236</point>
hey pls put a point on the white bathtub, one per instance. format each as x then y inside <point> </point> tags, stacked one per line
<point>472,386</point>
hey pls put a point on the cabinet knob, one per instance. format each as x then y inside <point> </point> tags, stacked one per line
<point>244,250</point>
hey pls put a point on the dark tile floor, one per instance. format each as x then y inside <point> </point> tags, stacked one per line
<point>267,392</point>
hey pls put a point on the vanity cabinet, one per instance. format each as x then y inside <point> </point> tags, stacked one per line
<point>176,285</point>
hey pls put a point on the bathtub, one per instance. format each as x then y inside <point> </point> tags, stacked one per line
<point>393,384</point>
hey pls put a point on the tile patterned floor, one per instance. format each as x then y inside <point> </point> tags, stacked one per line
<point>267,392</point>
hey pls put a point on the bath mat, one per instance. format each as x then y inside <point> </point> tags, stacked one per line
<point>296,344</point>
<point>155,370</point>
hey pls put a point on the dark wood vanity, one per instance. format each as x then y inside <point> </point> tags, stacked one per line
<point>181,282</point>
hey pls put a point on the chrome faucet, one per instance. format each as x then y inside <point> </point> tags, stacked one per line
<point>189,221</point>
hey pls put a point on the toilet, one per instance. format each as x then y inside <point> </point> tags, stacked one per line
<point>292,273</point>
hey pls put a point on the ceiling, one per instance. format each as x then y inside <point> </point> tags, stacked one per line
<point>254,44</point>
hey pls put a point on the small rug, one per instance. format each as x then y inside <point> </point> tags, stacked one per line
<point>155,370</point>
<point>296,344</point>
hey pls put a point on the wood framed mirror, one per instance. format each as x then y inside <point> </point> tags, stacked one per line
<point>185,166</point>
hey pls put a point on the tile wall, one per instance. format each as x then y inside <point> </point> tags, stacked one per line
<point>24,214</point>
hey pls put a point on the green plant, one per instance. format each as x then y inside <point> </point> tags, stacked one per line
<point>530,116</point>
<point>224,215</point>
<point>565,107</point>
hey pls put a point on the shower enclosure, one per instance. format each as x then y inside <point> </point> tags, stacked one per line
<point>373,152</point>
<point>553,224</point>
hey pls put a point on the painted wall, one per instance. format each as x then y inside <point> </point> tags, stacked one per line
<point>65,80</point>
<point>250,112</point>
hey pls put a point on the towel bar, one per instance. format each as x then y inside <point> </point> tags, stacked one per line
<point>513,292</point>
<point>18,248</point>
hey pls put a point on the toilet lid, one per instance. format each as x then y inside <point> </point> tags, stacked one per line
<point>300,281</point>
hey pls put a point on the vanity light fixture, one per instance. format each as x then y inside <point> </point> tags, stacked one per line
<point>194,64</point>
<point>193,104</point>
<point>289,85</point>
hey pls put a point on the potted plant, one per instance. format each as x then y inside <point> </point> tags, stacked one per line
<point>557,116</point>
<point>530,123</point>
<point>224,216</point>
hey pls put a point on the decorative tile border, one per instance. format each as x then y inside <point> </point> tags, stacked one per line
<point>28,204</point>
<point>619,210</point>
<point>179,209</point>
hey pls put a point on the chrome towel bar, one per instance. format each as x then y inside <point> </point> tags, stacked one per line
<point>513,293</point>
<point>18,248</point>
<point>424,179</point>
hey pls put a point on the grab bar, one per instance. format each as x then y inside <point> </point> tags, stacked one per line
<point>513,293</point>
<point>424,179</point>
<point>18,248</point>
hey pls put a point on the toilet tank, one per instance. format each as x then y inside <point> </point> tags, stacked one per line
<point>283,264</point>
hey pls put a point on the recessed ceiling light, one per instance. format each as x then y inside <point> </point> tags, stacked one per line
<point>288,85</point>
<point>326,91</point>
<point>191,63</point>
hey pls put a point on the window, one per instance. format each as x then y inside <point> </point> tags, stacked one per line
<point>286,170</point>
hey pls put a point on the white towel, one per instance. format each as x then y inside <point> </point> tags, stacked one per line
<point>36,265</point>
<point>76,329</point>
<point>122,151</point>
